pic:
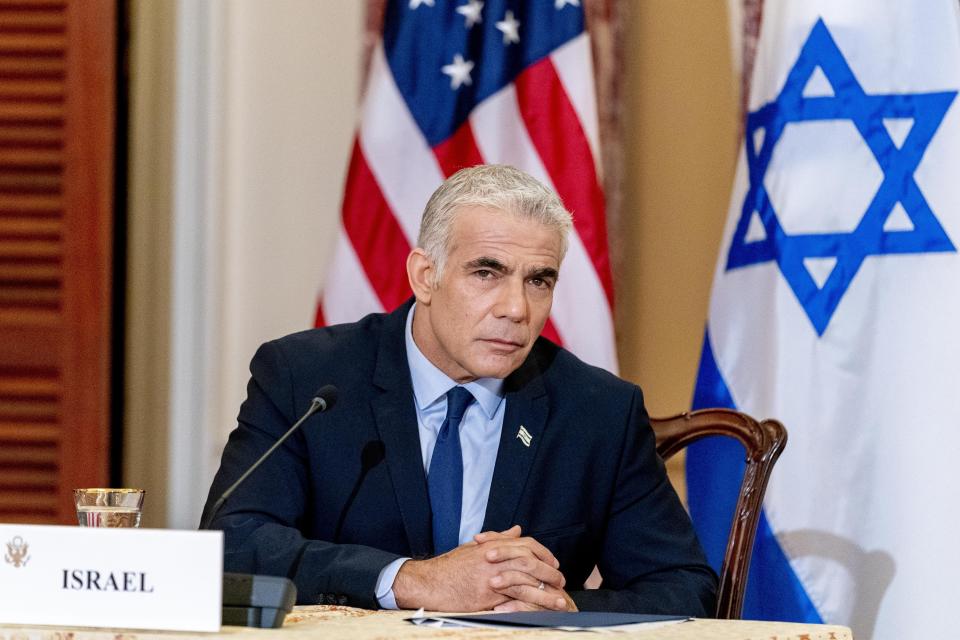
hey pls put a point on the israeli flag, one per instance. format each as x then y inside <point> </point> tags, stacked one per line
<point>836,309</point>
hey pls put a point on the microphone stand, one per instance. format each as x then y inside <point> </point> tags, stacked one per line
<point>317,404</point>
<point>257,600</point>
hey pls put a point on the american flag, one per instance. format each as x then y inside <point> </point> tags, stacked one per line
<point>466,82</point>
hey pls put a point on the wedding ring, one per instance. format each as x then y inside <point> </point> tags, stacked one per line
<point>540,586</point>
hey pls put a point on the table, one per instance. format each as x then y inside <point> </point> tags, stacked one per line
<point>313,623</point>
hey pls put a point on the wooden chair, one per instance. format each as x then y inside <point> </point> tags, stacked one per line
<point>763,442</point>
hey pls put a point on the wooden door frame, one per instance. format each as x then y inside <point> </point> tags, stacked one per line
<point>88,257</point>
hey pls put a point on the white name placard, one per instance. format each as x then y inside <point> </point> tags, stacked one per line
<point>113,578</point>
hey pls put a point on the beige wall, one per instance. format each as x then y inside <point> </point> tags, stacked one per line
<point>681,138</point>
<point>281,128</point>
<point>149,203</point>
<point>293,69</point>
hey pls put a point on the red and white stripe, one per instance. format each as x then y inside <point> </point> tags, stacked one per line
<point>545,124</point>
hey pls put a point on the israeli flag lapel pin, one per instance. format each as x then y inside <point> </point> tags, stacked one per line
<point>524,436</point>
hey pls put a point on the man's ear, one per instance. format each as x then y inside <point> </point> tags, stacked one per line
<point>420,273</point>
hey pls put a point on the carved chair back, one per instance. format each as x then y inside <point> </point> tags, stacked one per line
<point>763,443</point>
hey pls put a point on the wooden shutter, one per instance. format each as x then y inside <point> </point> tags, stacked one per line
<point>57,106</point>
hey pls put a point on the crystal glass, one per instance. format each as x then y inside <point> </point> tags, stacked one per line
<point>108,507</point>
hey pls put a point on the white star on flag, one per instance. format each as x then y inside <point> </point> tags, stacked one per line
<point>510,27</point>
<point>459,71</point>
<point>416,3</point>
<point>471,11</point>
<point>560,4</point>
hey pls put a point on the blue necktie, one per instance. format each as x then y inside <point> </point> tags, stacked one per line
<point>445,477</point>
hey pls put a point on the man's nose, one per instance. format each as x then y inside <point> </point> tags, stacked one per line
<point>512,302</point>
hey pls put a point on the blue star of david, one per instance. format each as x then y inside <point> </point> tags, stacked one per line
<point>866,112</point>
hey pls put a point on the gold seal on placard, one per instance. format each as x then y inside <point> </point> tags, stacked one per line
<point>17,552</point>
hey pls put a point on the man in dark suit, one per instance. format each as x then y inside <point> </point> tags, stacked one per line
<point>469,464</point>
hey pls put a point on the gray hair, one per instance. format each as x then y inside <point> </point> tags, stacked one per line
<point>491,186</point>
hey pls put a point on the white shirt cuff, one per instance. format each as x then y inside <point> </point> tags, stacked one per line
<point>388,574</point>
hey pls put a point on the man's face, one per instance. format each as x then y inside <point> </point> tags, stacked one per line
<point>493,298</point>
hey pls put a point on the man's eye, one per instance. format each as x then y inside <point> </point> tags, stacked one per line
<point>483,273</point>
<point>540,283</point>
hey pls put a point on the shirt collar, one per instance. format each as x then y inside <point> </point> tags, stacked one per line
<point>430,384</point>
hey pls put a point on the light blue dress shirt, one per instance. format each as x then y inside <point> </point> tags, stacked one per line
<point>479,441</point>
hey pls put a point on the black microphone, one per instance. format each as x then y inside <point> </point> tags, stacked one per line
<point>372,455</point>
<point>256,600</point>
<point>323,400</point>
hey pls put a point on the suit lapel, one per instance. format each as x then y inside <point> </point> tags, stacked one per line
<point>396,419</point>
<point>524,423</point>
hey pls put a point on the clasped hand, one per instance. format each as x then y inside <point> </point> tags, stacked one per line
<point>500,571</point>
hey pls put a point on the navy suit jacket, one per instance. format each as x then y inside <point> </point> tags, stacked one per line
<point>589,486</point>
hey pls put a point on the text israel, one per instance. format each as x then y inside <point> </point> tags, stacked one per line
<point>89,580</point>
